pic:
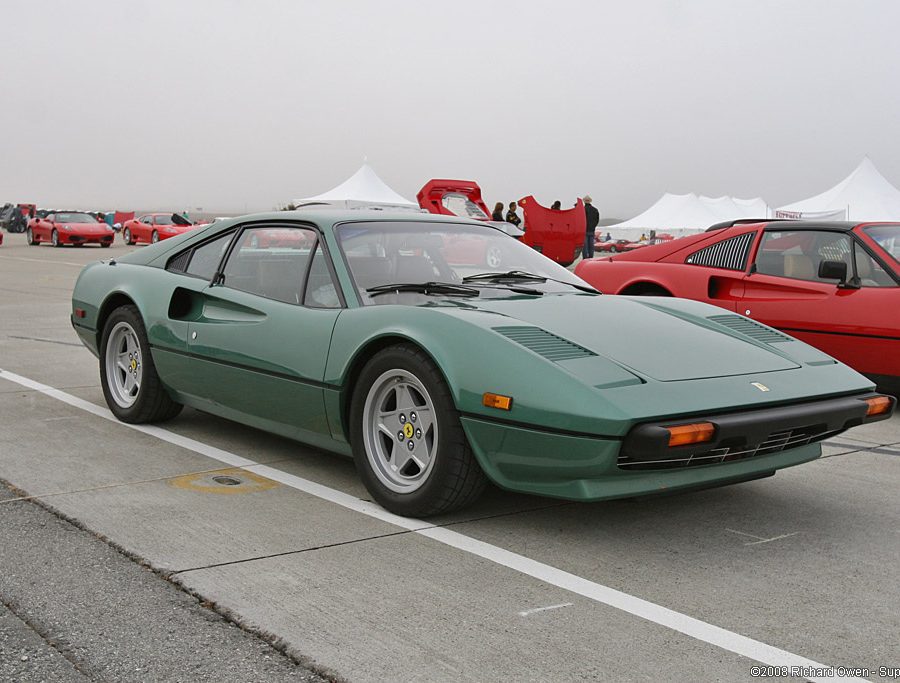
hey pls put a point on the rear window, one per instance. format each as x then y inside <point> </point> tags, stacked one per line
<point>730,254</point>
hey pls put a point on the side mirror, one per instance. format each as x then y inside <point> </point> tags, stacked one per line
<point>835,270</point>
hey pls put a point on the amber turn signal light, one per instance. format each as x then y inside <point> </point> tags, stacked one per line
<point>497,401</point>
<point>684,435</point>
<point>878,405</point>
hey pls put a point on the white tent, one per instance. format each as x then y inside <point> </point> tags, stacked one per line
<point>864,195</point>
<point>681,214</point>
<point>363,188</point>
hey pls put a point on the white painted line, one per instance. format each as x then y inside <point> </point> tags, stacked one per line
<point>657,614</point>
<point>759,539</point>
<point>535,610</point>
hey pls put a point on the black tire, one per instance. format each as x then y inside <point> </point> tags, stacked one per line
<point>613,249</point>
<point>105,245</point>
<point>153,403</point>
<point>154,237</point>
<point>54,239</point>
<point>456,479</point>
<point>127,236</point>
<point>29,237</point>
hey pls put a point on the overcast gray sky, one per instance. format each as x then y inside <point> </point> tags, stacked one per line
<point>232,105</point>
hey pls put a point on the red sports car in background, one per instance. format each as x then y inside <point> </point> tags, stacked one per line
<point>68,227</point>
<point>153,227</point>
<point>834,285</point>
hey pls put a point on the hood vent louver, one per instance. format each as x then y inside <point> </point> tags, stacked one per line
<point>748,327</point>
<point>544,343</point>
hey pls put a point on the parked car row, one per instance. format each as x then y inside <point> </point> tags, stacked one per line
<point>60,228</point>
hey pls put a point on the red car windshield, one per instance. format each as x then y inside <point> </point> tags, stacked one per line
<point>75,218</point>
<point>887,237</point>
<point>462,206</point>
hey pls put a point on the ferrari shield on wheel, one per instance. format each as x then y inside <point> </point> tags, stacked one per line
<point>133,390</point>
<point>408,442</point>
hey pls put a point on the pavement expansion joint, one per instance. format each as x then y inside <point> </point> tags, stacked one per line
<point>64,652</point>
<point>883,449</point>
<point>376,537</point>
<point>227,471</point>
<point>41,339</point>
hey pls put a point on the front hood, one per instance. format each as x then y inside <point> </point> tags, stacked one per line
<point>661,339</point>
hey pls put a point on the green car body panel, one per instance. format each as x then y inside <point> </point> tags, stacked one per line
<point>600,366</point>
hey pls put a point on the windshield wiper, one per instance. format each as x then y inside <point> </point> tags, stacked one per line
<point>521,275</point>
<point>446,288</point>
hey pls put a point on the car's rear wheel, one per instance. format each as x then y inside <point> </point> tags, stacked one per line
<point>128,237</point>
<point>54,239</point>
<point>408,443</point>
<point>29,237</point>
<point>131,385</point>
<point>154,237</point>
<point>613,249</point>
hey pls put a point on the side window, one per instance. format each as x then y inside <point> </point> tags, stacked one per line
<point>798,254</point>
<point>730,254</point>
<point>271,262</point>
<point>205,259</point>
<point>869,271</point>
<point>321,291</point>
<point>146,220</point>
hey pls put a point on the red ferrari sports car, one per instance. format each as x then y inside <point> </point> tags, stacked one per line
<point>68,227</point>
<point>153,227</point>
<point>834,285</point>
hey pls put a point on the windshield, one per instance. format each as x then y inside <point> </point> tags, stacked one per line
<point>390,253</point>
<point>462,206</point>
<point>887,237</point>
<point>75,218</point>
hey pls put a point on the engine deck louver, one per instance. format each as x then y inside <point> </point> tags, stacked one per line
<point>544,343</point>
<point>739,323</point>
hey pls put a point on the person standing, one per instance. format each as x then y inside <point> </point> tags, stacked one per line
<point>498,212</point>
<point>512,216</point>
<point>592,219</point>
<point>557,206</point>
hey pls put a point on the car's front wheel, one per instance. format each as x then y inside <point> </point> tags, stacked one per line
<point>408,443</point>
<point>131,386</point>
<point>29,237</point>
<point>154,238</point>
<point>54,239</point>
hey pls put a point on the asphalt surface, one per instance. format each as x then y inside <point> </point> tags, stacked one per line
<point>514,588</point>
<point>74,608</point>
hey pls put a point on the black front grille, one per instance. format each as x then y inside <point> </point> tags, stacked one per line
<point>774,443</point>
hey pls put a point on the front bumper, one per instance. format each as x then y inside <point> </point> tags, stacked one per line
<point>588,468</point>
<point>71,238</point>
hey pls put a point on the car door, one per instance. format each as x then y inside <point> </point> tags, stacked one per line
<point>784,290</point>
<point>42,227</point>
<point>260,341</point>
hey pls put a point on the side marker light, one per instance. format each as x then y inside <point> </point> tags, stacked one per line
<point>497,401</point>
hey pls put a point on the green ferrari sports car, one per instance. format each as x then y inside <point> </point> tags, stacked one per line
<point>441,354</point>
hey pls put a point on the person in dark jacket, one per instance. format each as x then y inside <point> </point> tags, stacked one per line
<point>557,206</point>
<point>592,217</point>
<point>498,212</point>
<point>512,216</point>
